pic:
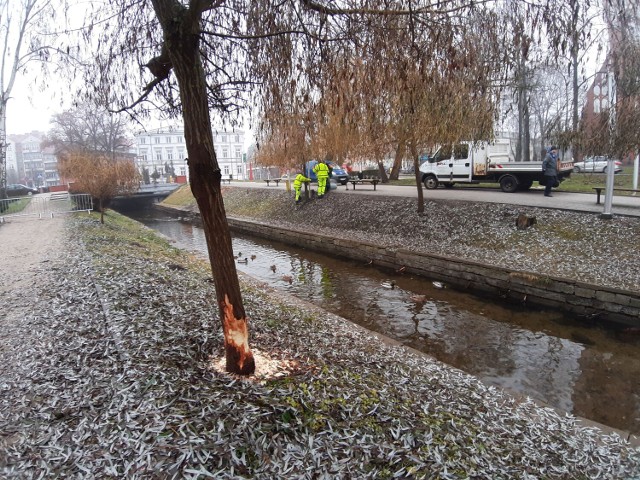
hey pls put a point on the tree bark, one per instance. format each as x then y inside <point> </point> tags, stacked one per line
<point>416,169</point>
<point>383,173</point>
<point>397,161</point>
<point>181,29</point>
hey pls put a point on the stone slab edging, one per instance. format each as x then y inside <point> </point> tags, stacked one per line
<point>589,302</point>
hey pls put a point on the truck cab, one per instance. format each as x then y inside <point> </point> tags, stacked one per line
<point>449,164</point>
<point>463,162</point>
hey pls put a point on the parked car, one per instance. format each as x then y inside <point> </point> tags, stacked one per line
<point>18,190</point>
<point>596,165</point>
<point>339,174</point>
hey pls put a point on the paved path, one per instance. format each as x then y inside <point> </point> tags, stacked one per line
<point>584,202</point>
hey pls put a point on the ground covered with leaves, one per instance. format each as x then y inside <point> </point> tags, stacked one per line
<point>564,244</point>
<point>113,375</point>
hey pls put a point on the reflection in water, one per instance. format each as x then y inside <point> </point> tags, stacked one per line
<point>532,352</point>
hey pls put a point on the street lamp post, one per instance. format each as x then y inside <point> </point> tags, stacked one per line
<point>608,194</point>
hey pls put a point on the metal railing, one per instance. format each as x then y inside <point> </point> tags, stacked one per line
<point>45,205</point>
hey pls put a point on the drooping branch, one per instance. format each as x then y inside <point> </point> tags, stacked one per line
<point>160,67</point>
<point>384,12</point>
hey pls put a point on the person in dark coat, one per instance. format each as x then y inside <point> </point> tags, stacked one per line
<point>550,170</point>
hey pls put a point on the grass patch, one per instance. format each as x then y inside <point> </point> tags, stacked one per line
<point>584,182</point>
<point>120,232</point>
<point>14,205</point>
<point>182,197</point>
<point>578,182</point>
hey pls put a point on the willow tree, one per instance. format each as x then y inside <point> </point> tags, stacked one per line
<point>193,57</point>
<point>101,175</point>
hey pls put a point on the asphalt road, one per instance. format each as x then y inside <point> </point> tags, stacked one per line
<point>584,202</point>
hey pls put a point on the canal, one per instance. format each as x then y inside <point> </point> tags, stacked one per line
<point>592,372</point>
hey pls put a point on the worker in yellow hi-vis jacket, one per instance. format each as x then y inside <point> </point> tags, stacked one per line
<point>322,172</point>
<point>297,184</point>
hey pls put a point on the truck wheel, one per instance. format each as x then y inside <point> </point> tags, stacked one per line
<point>430,183</point>
<point>508,184</point>
<point>448,185</point>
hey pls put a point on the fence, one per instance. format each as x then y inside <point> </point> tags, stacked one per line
<point>45,206</point>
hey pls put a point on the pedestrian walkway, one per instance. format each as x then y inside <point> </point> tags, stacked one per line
<point>581,202</point>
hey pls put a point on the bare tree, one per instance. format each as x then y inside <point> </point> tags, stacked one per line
<point>20,45</point>
<point>617,128</point>
<point>90,129</point>
<point>99,175</point>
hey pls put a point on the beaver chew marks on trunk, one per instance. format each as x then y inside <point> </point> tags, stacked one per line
<point>238,355</point>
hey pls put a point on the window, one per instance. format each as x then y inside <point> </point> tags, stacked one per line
<point>169,154</point>
<point>237,138</point>
<point>158,154</point>
<point>225,153</point>
<point>596,90</point>
<point>142,140</point>
<point>226,169</point>
<point>596,106</point>
<point>224,139</point>
<point>181,153</point>
<point>157,139</point>
<point>144,157</point>
<point>178,140</point>
<point>239,170</point>
<point>461,151</point>
<point>238,153</point>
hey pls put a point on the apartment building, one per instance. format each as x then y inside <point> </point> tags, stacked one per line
<point>29,163</point>
<point>163,151</point>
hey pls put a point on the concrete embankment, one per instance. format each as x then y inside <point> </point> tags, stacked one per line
<point>590,302</point>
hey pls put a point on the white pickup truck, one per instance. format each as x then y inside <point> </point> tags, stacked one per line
<point>486,163</point>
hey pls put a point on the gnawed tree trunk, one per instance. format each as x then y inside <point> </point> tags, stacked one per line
<point>181,28</point>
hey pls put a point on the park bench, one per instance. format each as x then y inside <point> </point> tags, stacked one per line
<point>599,191</point>
<point>269,180</point>
<point>228,180</point>
<point>362,181</point>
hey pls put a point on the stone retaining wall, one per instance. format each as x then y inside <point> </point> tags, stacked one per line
<point>589,302</point>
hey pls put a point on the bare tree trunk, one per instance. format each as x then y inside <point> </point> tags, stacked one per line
<point>3,147</point>
<point>575,9</point>
<point>397,161</point>
<point>526,120</point>
<point>416,168</point>
<point>520,127</point>
<point>181,28</point>
<point>383,173</point>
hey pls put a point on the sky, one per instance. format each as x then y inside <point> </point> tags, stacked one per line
<point>29,110</point>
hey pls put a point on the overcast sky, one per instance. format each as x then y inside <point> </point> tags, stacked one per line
<point>28,110</point>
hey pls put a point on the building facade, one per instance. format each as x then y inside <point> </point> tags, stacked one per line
<point>163,153</point>
<point>29,163</point>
